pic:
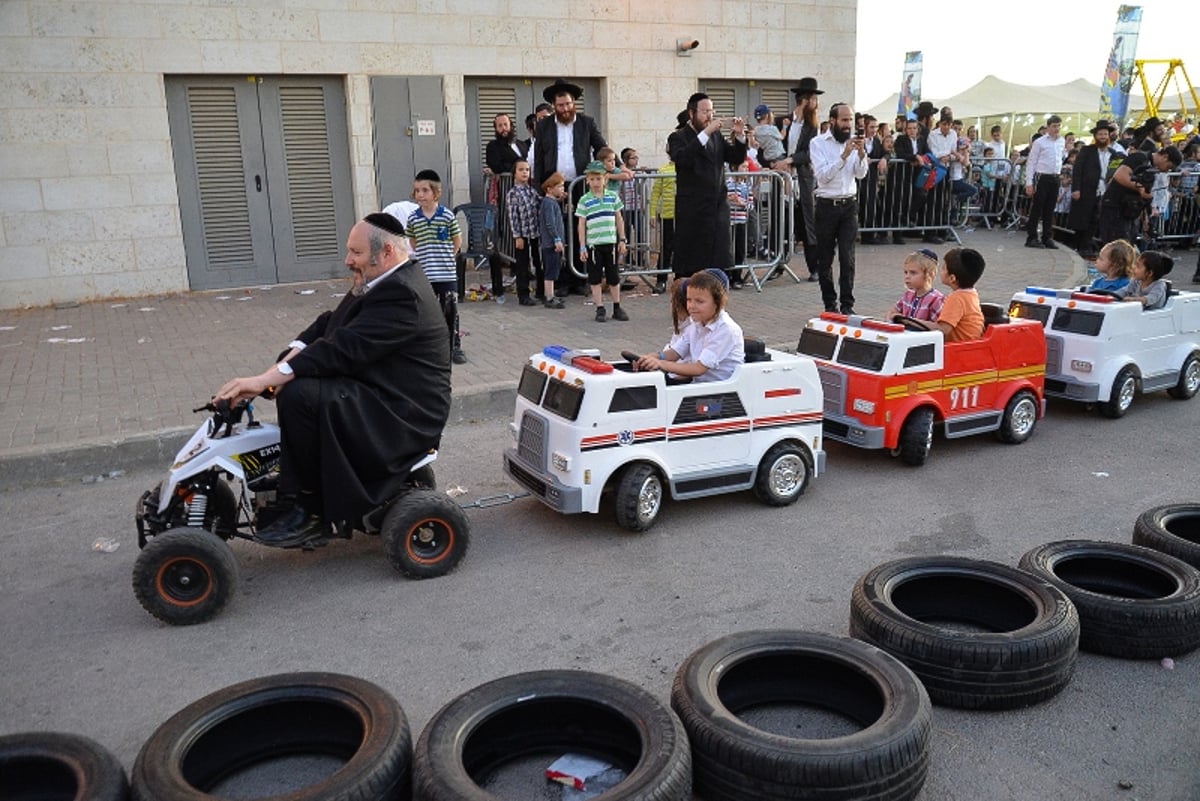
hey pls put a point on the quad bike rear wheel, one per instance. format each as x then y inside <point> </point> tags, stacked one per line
<point>425,534</point>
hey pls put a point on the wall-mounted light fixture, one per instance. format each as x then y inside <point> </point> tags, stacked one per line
<point>684,47</point>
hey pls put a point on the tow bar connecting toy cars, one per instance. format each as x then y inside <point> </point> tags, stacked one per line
<point>584,426</point>
<point>886,386</point>
<point>186,571</point>
<point>1101,350</point>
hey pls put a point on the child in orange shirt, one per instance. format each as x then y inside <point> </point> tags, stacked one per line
<point>961,317</point>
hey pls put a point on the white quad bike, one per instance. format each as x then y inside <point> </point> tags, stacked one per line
<point>222,485</point>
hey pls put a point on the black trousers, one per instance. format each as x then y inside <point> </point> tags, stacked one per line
<point>837,226</point>
<point>530,255</point>
<point>448,300</point>
<point>298,407</point>
<point>804,218</point>
<point>1045,195</point>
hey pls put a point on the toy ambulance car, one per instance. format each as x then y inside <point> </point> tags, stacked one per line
<point>583,426</point>
<point>1102,350</point>
<point>887,387</point>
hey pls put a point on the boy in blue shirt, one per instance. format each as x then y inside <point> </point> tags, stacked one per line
<point>436,238</point>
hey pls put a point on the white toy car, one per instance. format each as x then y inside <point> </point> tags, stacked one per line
<point>1101,350</point>
<point>583,426</point>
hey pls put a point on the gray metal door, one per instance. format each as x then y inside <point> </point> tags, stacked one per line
<point>262,165</point>
<point>409,114</point>
<point>738,98</point>
<point>517,97</point>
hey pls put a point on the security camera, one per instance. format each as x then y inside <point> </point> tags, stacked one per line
<point>686,46</point>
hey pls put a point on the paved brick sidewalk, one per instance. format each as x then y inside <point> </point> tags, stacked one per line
<point>78,385</point>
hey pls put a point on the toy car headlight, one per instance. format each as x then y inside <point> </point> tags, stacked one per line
<point>512,430</point>
<point>560,462</point>
<point>864,406</point>
<point>1081,365</point>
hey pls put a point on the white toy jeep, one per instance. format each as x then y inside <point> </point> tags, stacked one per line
<point>1102,350</point>
<point>583,426</point>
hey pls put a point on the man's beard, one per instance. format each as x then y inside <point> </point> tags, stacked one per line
<point>841,136</point>
<point>506,137</point>
<point>565,119</point>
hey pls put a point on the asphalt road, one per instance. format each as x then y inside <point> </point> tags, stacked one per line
<point>540,590</point>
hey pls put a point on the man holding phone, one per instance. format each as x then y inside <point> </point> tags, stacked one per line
<point>839,162</point>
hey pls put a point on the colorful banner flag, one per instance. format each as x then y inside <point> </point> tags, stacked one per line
<point>1118,73</point>
<point>910,85</point>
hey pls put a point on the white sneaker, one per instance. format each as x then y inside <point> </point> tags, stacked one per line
<point>500,299</point>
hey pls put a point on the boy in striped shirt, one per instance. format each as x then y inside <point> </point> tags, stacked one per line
<point>601,238</point>
<point>436,238</point>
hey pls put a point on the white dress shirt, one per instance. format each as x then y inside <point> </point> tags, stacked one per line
<point>835,177</point>
<point>1045,158</point>
<point>719,346</point>
<point>566,149</point>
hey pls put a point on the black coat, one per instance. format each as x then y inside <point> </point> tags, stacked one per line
<point>904,148</point>
<point>383,361</point>
<point>500,157</point>
<point>702,236</point>
<point>1085,177</point>
<point>587,140</point>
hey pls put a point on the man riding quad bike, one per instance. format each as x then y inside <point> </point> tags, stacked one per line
<point>363,395</point>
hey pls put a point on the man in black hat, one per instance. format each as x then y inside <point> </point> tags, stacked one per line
<point>800,134</point>
<point>580,138</point>
<point>362,393</point>
<point>1087,186</point>
<point>700,154</point>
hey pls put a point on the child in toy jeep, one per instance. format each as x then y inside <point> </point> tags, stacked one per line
<point>709,345</point>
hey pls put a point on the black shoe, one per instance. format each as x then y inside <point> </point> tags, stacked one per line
<point>1033,243</point>
<point>553,303</point>
<point>658,289</point>
<point>458,357</point>
<point>525,300</point>
<point>831,309</point>
<point>1048,244</point>
<point>847,310</point>
<point>600,315</point>
<point>293,529</point>
<point>933,239</point>
<point>620,315</point>
<point>813,277</point>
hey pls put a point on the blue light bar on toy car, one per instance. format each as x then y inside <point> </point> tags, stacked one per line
<point>555,351</point>
<point>1037,290</point>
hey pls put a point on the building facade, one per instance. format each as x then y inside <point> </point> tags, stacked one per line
<point>171,145</point>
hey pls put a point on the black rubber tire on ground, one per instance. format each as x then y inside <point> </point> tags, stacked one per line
<point>887,759</point>
<point>185,576</point>
<point>286,715</point>
<point>1025,654</point>
<point>1173,529</point>
<point>1189,379</point>
<point>1133,602</point>
<point>783,474</point>
<point>425,534</point>
<point>1020,418</point>
<point>53,766</point>
<point>1124,390</point>
<point>916,437</point>
<point>639,497</point>
<point>553,712</point>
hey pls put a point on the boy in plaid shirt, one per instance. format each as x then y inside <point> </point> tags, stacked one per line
<point>522,203</point>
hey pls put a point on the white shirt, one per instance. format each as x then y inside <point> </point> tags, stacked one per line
<point>1105,155</point>
<point>835,177</point>
<point>998,146</point>
<point>566,149</point>
<point>1045,158</point>
<point>719,346</point>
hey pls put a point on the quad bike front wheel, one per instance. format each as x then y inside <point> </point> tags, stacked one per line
<point>185,576</point>
<point>425,534</point>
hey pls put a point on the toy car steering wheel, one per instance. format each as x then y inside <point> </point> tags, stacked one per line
<point>1108,293</point>
<point>911,323</point>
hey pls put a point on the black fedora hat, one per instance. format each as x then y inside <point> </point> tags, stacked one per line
<point>1104,125</point>
<point>925,109</point>
<point>558,87</point>
<point>807,86</point>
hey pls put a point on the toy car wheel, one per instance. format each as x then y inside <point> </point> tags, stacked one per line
<point>469,743</point>
<point>719,687</point>
<point>639,497</point>
<point>1123,389</point>
<point>1020,418</point>
<point>783,474</point>
<point>185,576</point>
<point>1189,379</point>
<point>916,437</point>
<point>1173,529</point>
<point>1133,602</point>
<point>221,743</point>
<point>425,534</point>
<point>50,765</point>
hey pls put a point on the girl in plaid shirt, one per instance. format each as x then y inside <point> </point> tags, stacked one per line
<point>920,300</point>
<point>522,202</point>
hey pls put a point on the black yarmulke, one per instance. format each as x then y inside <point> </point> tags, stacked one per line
<point>429,175</point>
<point>386,222</point>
